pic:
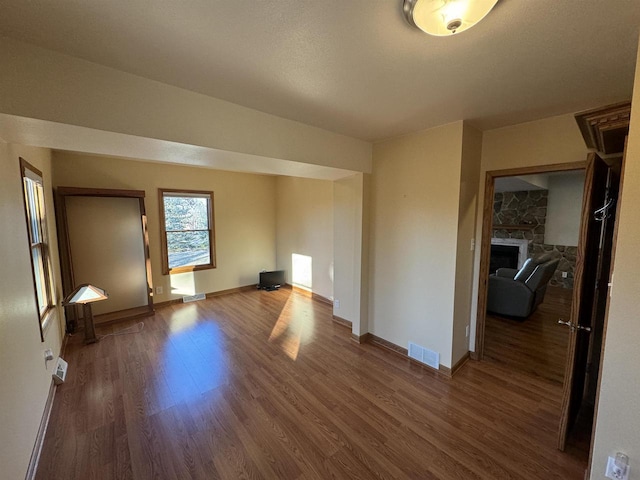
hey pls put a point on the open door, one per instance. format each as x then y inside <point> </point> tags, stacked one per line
<point>582,308</point>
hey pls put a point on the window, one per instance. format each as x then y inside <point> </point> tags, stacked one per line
<point>38,239</point>
<point>188,233</point>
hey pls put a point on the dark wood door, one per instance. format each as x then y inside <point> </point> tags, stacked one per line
<point>586,273</point>
<point>601,293</point>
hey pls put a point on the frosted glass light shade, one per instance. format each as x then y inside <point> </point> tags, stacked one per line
<point>446,17</point>
<point>85,294</point>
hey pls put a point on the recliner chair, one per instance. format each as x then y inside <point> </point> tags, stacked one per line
<point>517,293</point>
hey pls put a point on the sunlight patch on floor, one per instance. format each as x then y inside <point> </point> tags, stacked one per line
<point>183,319</point>
<point>295,326</point>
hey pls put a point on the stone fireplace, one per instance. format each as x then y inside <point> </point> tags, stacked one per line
<point>519,219</point>
<point>521,245</point>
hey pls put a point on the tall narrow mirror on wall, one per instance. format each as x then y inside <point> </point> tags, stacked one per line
<point>106,243</point>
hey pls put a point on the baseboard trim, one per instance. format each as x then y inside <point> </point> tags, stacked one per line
<point>219,293</point>
<point>121,315</point>
<point>360,339</point>
<point>309,293</point>
<point>63,348</point>
<point>342,321</point>
<point>300,290</point>
<point>460,363</point>
<point>404,353</point>
<point>321,299</point>
<point>42,430</point>
<point>381,342</point>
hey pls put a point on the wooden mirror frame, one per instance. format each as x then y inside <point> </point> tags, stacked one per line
<point>66,263</point>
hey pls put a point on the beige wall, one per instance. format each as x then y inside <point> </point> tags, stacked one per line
<point>543,142</point>
<point>244,207</point>
<point>305,227</point>
<point>413,236</point>
<point>618,422</point>
<point>469,175</point>
<point>564,209</point>
<point>46,85</point>
<point>347,247</point>
<point>25,386</point>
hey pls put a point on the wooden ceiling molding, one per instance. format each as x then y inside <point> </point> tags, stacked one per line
<point>605,128</point>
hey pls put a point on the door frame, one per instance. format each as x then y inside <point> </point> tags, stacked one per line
<point>614,242</point>
<point>64,247</point>
<point>485,240</point>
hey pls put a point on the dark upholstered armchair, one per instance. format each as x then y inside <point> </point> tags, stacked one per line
<point>517,293</point>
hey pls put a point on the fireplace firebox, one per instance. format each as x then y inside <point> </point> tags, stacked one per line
<point>503,256</point>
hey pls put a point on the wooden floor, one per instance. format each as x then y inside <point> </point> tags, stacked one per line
<point>537,345</point>
<point>264,385</point>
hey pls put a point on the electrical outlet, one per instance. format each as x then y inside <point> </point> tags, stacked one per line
<point>466,332</point>
<point>565,274</point>
<point>473,244</point>
<point>336,304</point>
<point>159,290</point>
<point>618,471</point>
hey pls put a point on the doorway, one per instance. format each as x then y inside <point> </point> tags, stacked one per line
<point>582,313</point>
<point>533,216</point>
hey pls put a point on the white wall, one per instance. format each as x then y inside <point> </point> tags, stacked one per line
<point>564,209</point>
<point>46,85</point>
<point>413,236</point>
<point>244,209</point>
<point>24,391</point>
<point>304,213</point>
<point>618,423</point>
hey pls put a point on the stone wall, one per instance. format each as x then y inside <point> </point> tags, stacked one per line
<point>529,209</point>
<point>567,256</point>
<point>521,208</point>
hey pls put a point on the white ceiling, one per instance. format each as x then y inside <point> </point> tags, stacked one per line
<point>538,181</point>
<point>514,184</point>
<point>354,66</point>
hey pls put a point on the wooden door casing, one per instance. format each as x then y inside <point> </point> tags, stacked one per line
<point>583,291</point>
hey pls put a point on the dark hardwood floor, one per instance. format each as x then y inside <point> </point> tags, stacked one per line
<point>535,346</point>
<point>264,385</point>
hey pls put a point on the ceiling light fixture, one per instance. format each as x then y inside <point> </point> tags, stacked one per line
<point>446,17</point>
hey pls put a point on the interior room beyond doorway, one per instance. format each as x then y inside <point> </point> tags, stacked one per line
<point>536,217</point>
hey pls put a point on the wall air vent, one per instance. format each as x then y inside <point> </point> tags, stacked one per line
<point>424,355</point>
<point>60,373</point>
<point>194,298</point>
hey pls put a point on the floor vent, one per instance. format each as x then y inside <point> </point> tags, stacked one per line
<point>424,355</point>
<point>194,298</point>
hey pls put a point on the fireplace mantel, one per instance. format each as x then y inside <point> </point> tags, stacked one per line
<point>522,244</point>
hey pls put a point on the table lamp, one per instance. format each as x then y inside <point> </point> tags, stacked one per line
<point>85,295</point>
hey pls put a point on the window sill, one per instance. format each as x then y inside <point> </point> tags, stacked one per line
<point>187,269</point>
<point>46,320</point>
